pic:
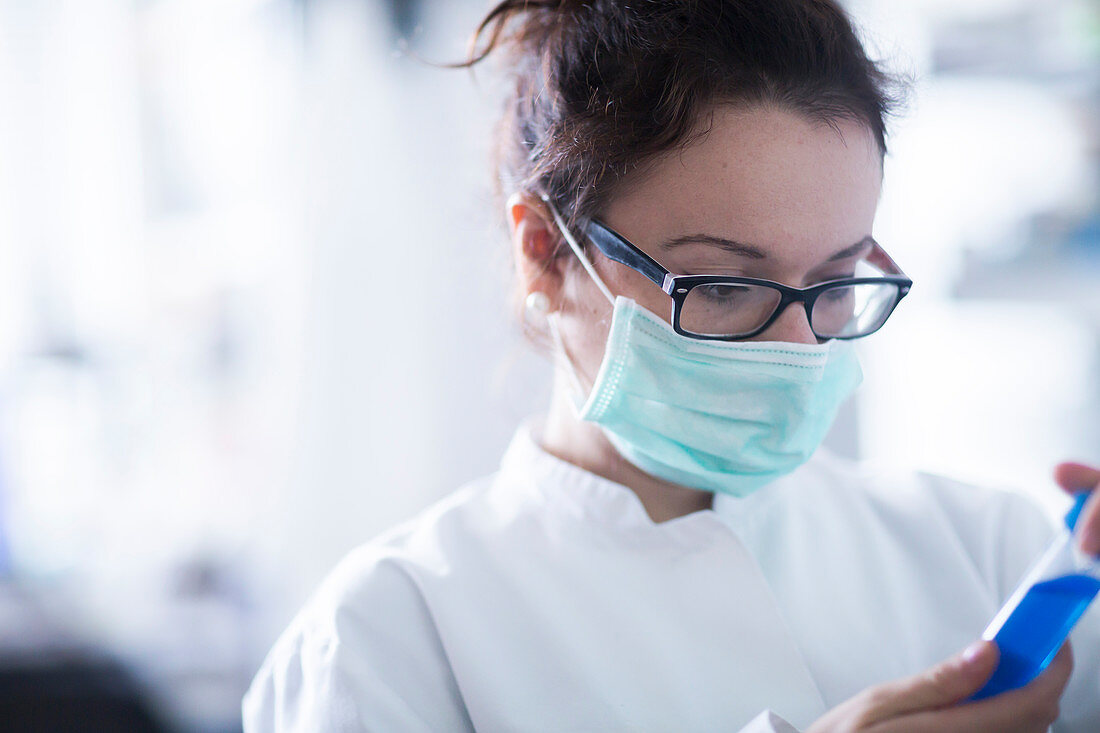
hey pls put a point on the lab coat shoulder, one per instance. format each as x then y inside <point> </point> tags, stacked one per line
<point>998,530</point>
<point>1003,531</point>
<point>364,653</point>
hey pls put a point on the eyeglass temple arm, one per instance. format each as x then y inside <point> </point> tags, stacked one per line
<point>616,247</point>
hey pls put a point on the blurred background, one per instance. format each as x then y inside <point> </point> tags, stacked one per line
<point>255,307</point>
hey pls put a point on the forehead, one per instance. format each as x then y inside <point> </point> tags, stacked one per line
<point>762,176</point>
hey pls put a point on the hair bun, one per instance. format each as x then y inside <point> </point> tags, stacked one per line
<point>597,88</point>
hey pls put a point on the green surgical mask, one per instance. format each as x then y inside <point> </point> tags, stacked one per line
<point>712,415</point>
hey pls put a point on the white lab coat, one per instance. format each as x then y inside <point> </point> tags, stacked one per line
<point>543,598</point>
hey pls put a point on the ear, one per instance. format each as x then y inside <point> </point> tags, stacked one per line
<point>535,244</point>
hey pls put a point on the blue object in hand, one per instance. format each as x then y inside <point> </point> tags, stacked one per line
<point>1034,623</point>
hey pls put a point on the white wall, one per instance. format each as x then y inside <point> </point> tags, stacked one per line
<point>416,375</point>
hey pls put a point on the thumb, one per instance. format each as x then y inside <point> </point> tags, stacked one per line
<point>947,683</point>
<point>1075,477</point>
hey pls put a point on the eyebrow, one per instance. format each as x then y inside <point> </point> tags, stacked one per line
<point>756,253</point>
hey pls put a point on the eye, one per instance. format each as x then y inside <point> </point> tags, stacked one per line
<point>836,295</point>
<point>722,291</point>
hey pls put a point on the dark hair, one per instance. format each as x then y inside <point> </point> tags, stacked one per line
<point>602,87</point>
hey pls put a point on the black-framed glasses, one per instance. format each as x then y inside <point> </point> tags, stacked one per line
<point>730,308</point>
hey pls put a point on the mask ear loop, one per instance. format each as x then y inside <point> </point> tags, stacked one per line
<point>563,356</point>
<point>577,250</point>
<point>552,318</point>
<point>537,305</point>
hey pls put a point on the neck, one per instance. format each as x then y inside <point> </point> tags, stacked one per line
<point>583,444</point>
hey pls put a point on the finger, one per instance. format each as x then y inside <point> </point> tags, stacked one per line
<point>1088,526</point>
<point>1036,705</point>
<point>1052,682</point>
<point>1033,707</point>
<point>945,684</point>
<point>1075,477</point>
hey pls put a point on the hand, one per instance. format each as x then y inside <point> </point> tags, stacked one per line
<point>930,701</point>
<point>1075,478</point>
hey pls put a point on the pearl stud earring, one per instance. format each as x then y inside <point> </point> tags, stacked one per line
<point>537,304</point>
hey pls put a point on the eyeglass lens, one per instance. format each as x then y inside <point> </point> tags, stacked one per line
<point>731,310</point>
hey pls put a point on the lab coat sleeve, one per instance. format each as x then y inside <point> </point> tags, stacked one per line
<point>363,655</point>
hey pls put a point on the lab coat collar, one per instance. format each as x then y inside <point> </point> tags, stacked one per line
<point>562,486</point>
<point>581,496</point>
<point>738,509</point>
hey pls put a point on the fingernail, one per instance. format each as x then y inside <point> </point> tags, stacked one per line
<point>972,652</point>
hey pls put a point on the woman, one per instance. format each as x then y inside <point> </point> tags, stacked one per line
<point>691,189</point>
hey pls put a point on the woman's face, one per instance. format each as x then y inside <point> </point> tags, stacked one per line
<point>766,193</point>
